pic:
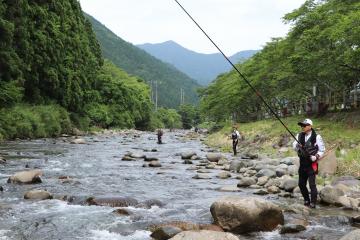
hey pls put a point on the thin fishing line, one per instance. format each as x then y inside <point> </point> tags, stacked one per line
<point>237,70</point>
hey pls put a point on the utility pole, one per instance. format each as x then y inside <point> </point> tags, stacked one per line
<point>156,96</point>
<point>152,91</point>
<point>182,96</point>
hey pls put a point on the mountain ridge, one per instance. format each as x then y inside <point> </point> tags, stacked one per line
<point>138,62</point>
<point>203,67</point>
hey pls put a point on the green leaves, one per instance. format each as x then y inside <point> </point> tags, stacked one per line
<point>321,49</point>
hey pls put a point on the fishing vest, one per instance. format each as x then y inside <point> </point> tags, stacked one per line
<point>310,149</point>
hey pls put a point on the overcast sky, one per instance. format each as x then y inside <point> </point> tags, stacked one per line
<point>234,25</point>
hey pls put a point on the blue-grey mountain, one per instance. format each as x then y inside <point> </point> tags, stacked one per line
<point>138,62</point>
<point>202,67</point>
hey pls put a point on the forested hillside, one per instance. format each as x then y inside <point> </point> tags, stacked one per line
<point>204,68</point>
<point>320,52</point>
<point>52,74</point>
<point>137,62</point>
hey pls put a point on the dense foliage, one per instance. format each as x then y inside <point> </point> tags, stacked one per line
<point>166,118</point>
<point>190,116</point>
<point>119,100</point>
<point>49,53</point>
<point>137,62</point>
<point>34,121</point>
<point>52,70</point>
<point>321,49</point>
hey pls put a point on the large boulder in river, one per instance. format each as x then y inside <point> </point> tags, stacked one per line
<point>26,177</point>
<point>204,235</point>
<point>38,195</point>
<point>246,214</point>
<point>213,157</point>
<point>354,235</point>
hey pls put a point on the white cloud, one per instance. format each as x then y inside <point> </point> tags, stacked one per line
<point>233,24</point>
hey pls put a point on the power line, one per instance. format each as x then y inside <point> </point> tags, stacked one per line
<point>241,75</point>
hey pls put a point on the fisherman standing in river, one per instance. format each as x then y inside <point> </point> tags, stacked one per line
<point>235,136</point>
<point>159,134</point>
<point>310,148</point>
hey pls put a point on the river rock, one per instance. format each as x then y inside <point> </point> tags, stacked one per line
<point>122,211</point>
<point>266,172</point>
<point>292,228</point>
<point>127,158</point>
<point>328,164</point>
<point>204,235</point>
<point>246,182</point>
<point>187,155</point>
<point>154,164</point>
<point>223,175</point>
<point>213,157</point>
<point>261,192</point>
<point>230,188</point>
<point>137,155</point>
<point>293,170</point>
<point>246,214</point>
<point>210,166</point>
<point>2,160</point>
<point>280,172</point>
<point>78,141</point>
<point>349,181</point>
<point>165,232</point>
<point>273,189</point>
<point>150,159</point>
<point>223,162</point>
<point>26,177</point>
<point>354,235</point>
<point>201,176</point>
<point>112,201</point>
<point>330,195</point>
<point>38,195</point>
<point>236,165</point>
<point>149,203</point>
<point>289,185</point>
<point>187,161</point>
<point>262,180</point>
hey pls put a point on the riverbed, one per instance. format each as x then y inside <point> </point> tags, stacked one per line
<point>96,169</point>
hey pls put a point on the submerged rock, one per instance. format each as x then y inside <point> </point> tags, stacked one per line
<point>112,201</point>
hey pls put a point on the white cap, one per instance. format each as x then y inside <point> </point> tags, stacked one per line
<point>305,122</point>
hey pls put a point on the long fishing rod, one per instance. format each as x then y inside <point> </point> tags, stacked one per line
<point>237,70</point>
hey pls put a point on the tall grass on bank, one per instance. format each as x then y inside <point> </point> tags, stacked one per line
<point>25,121</point>
<point>340,129</point>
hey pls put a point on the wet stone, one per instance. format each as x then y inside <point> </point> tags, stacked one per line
<point>292,228</point>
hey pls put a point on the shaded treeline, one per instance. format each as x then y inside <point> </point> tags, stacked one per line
<point>53,77</point>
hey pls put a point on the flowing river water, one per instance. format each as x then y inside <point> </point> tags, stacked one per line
<point>96,169</point>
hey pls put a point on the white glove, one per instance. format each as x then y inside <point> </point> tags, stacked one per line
<point>313,158</point>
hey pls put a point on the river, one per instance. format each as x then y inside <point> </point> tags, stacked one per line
<point>96,169</point>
